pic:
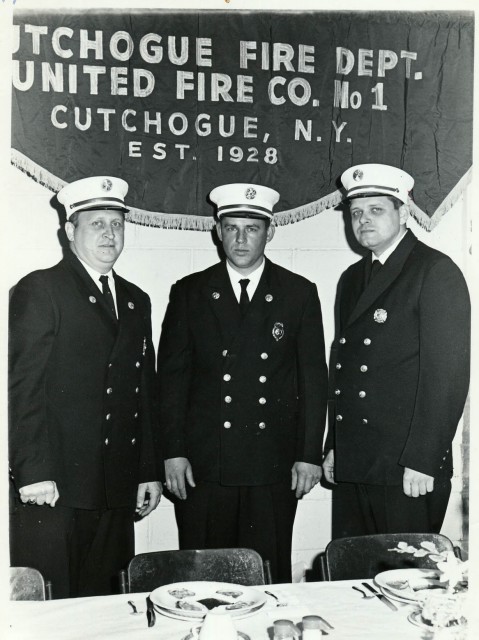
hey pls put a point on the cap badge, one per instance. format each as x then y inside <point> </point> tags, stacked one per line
<point>380,315</point>
<point>358,175</point>
<point>215,295</point>
<point>92,299</point>
<point>278,331</point>
<point>268,297</point>
<point>131,305</point>
<point>107,185</point>
<point>250,193</point>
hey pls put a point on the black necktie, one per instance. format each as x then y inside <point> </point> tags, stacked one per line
<point>244,297</point>
<point>107,294</point>
<point>376,265</point>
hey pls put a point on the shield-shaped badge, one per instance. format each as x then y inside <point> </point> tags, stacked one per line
<point>278,331</point>
<point>380,315</point>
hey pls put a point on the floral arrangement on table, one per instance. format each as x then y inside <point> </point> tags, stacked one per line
<point>445,607</point>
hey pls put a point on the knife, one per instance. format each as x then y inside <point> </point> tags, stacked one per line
<point>381,596</point>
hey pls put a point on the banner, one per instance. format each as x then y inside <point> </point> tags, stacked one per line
<point>177,103</point>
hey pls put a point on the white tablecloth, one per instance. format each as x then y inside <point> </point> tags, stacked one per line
<point>352,617</point>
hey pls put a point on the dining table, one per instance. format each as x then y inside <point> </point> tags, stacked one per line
<point>349,616</point>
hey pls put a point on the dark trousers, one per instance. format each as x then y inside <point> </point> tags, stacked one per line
<point>362,509</point>
<point>81,551</point>
<point>260,518</point>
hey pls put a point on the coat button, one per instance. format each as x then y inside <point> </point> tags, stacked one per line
<point>262,425</point>
<point>337,391</point>
<point>109,390</point>
<point>367,341</point>
<point>228,399</point>
<point>262,400</point>
<point>362,394</point>
<point>109,365</point>
<point>106,441</point>
<point>262,378</point>
<point>264,356</point>
<point>363,368</point>
<point>136,414</point>
<point>137,389</point>
<point>342,341</point>
<point>108,416</point>
<point>133,441</point>
<point>137,365</point>
<point>224,353</point>
<point>227,425</point>
<point>227,377</point>
<point>339,417</point>
<point>364,420</point>
<point>338,365</point>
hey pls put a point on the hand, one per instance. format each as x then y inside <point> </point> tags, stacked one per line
<point>176,470</point>
<point>145,505</point>
<point>416,484</point>
<point>304,477</point>
<point>328,467</point>
<point>44,492</point>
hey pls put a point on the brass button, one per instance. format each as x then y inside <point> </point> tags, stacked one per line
<point>137,389</point>
<point>137,365</point>
<point>136,414</point>
<point>106,441</point>
<point>227,425</point>
<point>262,400</point>
<point>363,368</point>
<point>109,390</point>
<point>228,399</point>
<point>109,364</point>
<point>108,416</point>
<point>362,394</point>
<point>367,341</point>
<point>264,356</point>
<point>262,425</point>
<point>342,341</point>
<point>338,365</point>
<point>337,391</point>
<point>224,352</point>
<point>262,378</point>
<point>133,441</point>
<point>339,418</point>
<point>365,421</point>
<point>227,377</point>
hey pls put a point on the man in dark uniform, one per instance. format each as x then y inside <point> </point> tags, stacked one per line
<point>243,389</point>
<point>81,376</point>
<point>399,370</point>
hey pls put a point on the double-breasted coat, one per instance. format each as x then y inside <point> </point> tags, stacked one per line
<point>243,399</point>
<point>399,366</point>
<point>80,387</point>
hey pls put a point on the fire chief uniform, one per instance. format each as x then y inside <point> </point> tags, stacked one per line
<point>400,372</point>
<point>80,400</point>
<point>242,399</point>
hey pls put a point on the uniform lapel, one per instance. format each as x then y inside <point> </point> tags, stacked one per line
<point>389,272</point>
<point>220,297</point>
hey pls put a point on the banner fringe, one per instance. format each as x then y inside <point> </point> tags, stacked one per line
<point>187,222</point>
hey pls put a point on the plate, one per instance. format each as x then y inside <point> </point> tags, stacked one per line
<point>416,618</point>
<point>409,584</point>
<point>393,596</point>
<point>193,600</point>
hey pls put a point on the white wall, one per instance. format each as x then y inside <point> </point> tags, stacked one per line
<point>155,258</point>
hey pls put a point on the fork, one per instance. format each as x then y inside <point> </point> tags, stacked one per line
<point>363,593</point>
<point>278,601</point>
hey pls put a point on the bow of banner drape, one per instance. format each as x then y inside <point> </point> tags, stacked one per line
<point>178,102</point>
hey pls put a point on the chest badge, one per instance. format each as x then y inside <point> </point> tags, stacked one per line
<point>380,315</point>
<point>215,295</point>
<point>268,297</point>
<point>92,299</point>
<point>278,331</point>
<point>131,305</point>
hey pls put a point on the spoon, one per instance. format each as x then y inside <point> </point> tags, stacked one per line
<point>135,610</point>
<point>278,602</point>
<point>365,595</point>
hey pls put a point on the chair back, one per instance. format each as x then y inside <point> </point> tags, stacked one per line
<point>147,571</point>
<point>366,556</point>
<point>28,584</point>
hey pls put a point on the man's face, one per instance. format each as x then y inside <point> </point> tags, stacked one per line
<point>376,223</point>
<point>98,237</point>
<point>244,240</point>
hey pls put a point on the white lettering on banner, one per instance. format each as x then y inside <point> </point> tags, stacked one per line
<point>386,61</point>
<point>292,92</point>
<point>279,55</point>
<point>115,40</point>
<point>220,85</point>
<point>36,32</point>
<point>57,34</point>
<point>87,45</point>
<point>27,83</point>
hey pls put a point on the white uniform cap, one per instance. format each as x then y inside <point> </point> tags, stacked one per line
<point>377,179</point>
<point>98,192</point>
<point>243,200</point>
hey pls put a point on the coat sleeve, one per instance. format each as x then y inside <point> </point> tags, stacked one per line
<point>312,381</point>
<point>33,322</point>
<point>443,379</point>
<point>151,460</point>
<point>174,374</point>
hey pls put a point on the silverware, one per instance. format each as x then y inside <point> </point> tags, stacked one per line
<point>135,610</point>
<point>365,595</point>
<point>278,601</point>
<point>150,612</point>
<point>381,596</point>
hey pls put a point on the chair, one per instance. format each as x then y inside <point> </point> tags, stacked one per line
<point>146,571</point>
<point>366,556</point>
<point>28,584</point>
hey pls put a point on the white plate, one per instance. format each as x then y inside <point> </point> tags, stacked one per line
<point>409,584</point>
<point>173,599</point>
<point>416,618</point>
<point>393,596</point>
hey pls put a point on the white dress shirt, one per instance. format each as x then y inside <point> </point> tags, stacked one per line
<point>387,252</point>
<point>253,278</point>
<point>95,276</point>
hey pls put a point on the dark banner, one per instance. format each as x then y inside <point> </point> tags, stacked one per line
<point>177,103</point>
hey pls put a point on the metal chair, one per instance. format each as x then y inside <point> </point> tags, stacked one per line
<point>366,556</point>
<point>147,571</point>
<point>28,584</point>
